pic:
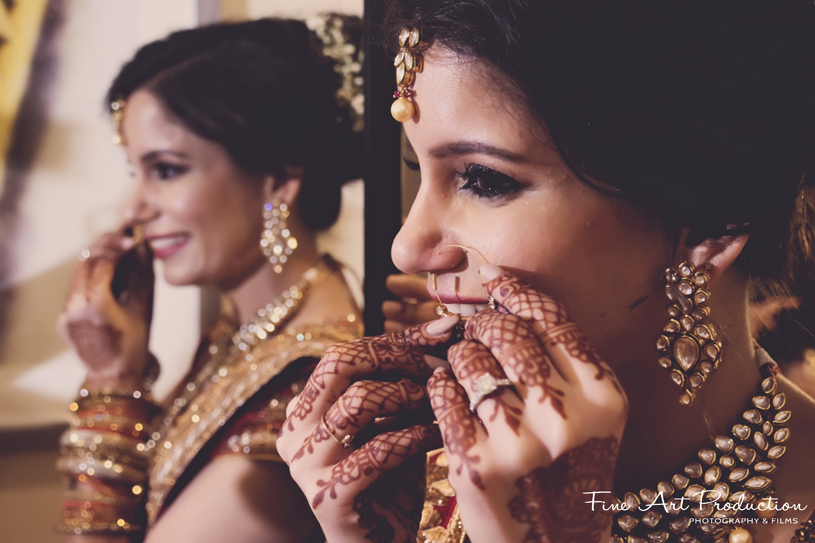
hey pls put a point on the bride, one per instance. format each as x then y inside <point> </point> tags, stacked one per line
<point>616,179</point>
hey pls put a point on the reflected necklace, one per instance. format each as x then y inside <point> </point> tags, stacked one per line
<point>701,503</point>
<point>221,348</point>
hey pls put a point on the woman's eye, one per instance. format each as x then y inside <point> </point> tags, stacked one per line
<point>484,182</point>
<point>164,170</point>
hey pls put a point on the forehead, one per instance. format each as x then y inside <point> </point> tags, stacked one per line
<point>459,97</point>
<point>147,123</point>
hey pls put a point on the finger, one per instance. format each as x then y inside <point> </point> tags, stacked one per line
<point>563,340</point>
<point>460,429</point>
<point>99,267</point>
<point>368,463</point>
<point>363,402</point>
<point>515,344</point>
<point>477,371</point>
<point>400,353</point>
<point>520,298</point>
<point>408,286</point>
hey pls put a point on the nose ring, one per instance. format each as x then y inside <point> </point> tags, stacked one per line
<point>441,309</point>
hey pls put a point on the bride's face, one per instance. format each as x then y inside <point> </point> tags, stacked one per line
<point>202,214</point>
<point>492,181</point>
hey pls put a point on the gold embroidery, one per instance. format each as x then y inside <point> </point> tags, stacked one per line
<point>438,494</point>
<point>237,381</point>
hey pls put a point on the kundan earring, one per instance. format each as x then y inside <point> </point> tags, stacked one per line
<point>689,345</point>
<point>276,242</point>
<point>408,63</point>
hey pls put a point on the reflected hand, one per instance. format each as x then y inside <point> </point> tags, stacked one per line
<point>520,465</point>
<point>415,306</point>
<point>374,489</point>
<point>106,317</point>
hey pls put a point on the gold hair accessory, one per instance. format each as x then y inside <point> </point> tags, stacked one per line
<point>277,243</point>
<point>408,63</point>
<point>689,344</point>
<point>117,115</point>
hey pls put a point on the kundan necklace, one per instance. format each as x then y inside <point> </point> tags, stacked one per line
<point>727,482</point>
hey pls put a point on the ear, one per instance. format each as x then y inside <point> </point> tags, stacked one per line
<point>715,255</point>
<point>286,190</point>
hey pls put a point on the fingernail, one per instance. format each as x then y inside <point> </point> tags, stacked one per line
<point>442,326</point>
<point>490,271</point>
<point>436,363</point>
<point>439,370</point>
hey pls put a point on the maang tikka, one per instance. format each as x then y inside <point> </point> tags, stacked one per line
<point>408,63</point>
<point>276,242</point>
<point>689,345</point>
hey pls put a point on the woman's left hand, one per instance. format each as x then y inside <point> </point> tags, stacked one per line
<point>525,463</point>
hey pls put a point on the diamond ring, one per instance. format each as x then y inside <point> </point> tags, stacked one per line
<point>486,385</point>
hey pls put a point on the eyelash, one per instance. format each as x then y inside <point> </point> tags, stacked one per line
<point>165,171</point>
<point>487,183</point>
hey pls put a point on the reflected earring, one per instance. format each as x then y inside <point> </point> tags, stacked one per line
<point>276,242</point>
<point>689,345</point>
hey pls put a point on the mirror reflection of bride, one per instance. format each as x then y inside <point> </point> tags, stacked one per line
<point>239,137</point>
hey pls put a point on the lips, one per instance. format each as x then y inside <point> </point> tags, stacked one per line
<point>167,245</point>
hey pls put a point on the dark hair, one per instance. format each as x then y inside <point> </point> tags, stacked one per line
<point>700,111</point>
<point>265,92</point>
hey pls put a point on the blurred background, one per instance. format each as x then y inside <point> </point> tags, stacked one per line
<point>62,184</point>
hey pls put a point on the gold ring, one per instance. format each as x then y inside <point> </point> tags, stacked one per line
<point>346,442</point>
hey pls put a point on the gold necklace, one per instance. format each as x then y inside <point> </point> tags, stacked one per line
<point>223,348</point>
<point>733,473</point>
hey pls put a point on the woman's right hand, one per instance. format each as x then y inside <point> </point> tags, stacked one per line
<point>107,315</point>
<point>374,490</point>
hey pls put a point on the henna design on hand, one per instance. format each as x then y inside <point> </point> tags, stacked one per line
<point>361,403</point>
<point>523,300</point>
<point>518,348</point>
<point>459,426</point>
<point>95,344</point>
<point>520,298</point>
<point>398,351</point>
<point>477,360</point>
<point>572,340</point>
<point>551,499</point>
<point>376,457</point>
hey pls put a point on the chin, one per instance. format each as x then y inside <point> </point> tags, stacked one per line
<point>180,278</point>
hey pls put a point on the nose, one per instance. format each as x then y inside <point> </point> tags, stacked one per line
<point>140,207</point>
<point>426,231</point>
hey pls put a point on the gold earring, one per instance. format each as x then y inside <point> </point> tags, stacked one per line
<point>689,345</point>
<point>276,242</point>
<point>408,63</point>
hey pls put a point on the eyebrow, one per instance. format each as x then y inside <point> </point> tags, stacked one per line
<point>459,148</point>
<point>152,155</point>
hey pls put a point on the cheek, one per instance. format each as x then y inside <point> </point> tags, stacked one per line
<point>595,259</point>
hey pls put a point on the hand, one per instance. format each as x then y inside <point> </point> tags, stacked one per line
<point>521,466</point>
<point>415,306</point>
<point>107,315</point>
<point>374,489</point>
